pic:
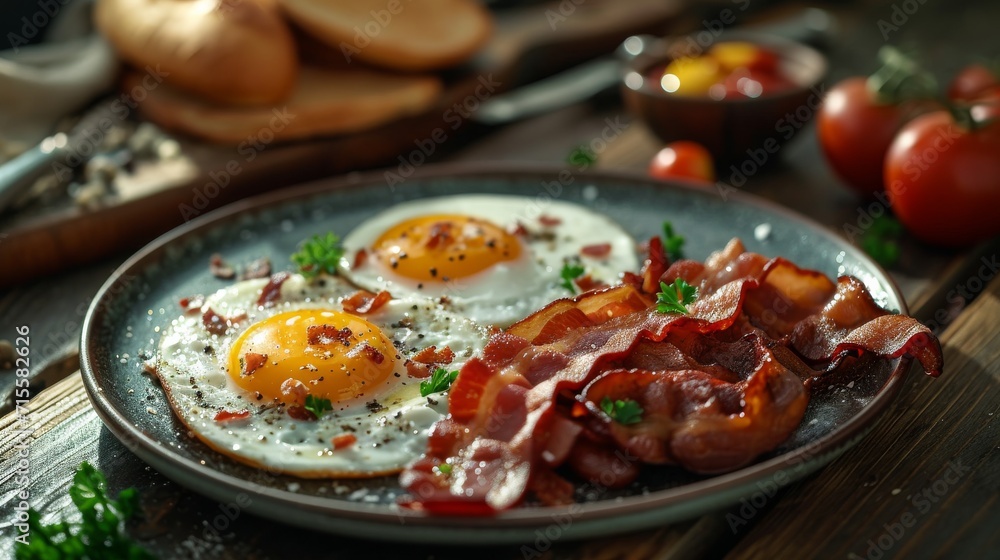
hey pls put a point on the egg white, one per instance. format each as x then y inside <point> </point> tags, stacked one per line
<point>511,290</point>
<point>191,366</point>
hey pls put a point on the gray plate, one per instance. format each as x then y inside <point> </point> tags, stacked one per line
<point>140,298</point>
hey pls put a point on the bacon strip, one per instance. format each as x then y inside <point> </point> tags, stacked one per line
<point>363,302</point>
<point>720,385</point>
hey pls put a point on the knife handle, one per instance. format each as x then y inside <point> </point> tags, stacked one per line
<point>20,173</point>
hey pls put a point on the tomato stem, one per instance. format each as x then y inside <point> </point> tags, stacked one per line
<point>900,78</point>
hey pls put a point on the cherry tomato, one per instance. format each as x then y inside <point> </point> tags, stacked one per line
<point>855,131</point>
<point>683,159</point>
<point>943,180</point>
<point>973,82</point>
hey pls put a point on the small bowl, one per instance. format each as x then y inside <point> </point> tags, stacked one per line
<point>733,130</point>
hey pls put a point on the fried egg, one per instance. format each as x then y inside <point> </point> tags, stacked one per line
<point>494,259</point>
<point>237,375</point>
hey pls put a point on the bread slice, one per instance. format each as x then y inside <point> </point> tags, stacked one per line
<point>323,102</point>
<point>230,51</point>
<point>398,34</point>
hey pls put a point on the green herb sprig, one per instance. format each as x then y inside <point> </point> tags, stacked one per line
<point>674,298</point>
<point>99,535</point>
<point>880,240</point>
<point>625,412</point>
<point>570,272</point>
<point>317,406</point>
<point>673,244</point>
<point>440,380</point>
<point>319,254</point>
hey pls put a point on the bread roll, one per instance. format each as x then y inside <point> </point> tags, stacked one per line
<point>324,102</point>
<point>397,34</point>
<point>232,51</point>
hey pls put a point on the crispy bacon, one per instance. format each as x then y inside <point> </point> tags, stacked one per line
<point>363,302</point>
<point>360,258</point>
<point>219,268</point>
<point>427,360</point>
<point>440,234</point>
<point>549,221</point>
<point>227,416</point>
<point>322,335</point>
<point>597,251</point>
<point>718,386</point>
<point>343,440</point>
<point>214,323</point>
<point>587,283</point>
<point>271,292</point>
<point>258,268</point>
<point>252,362</point>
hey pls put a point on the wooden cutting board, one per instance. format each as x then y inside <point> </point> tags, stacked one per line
<point>529,42</point>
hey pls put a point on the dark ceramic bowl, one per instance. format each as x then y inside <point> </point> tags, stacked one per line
<point>733,130</point>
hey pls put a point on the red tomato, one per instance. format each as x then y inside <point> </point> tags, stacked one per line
<point>855,131</point>
<point>944,181</point>
<point>683,159</point>
<point>973,82</point>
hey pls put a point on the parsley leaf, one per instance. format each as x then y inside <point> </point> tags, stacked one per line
<point>880,240</point>
<point>582,157</point>
<point>624,412</point>
<point>440,380</point>
<point>569,272</point>
<point>319,254</point>
<point>100,534</point>
<point>674,298</point>
<point>317,405</point>
<point>673,244</point>
<point>444,468</point>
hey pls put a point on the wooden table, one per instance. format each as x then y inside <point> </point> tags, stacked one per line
<point>923,484</point>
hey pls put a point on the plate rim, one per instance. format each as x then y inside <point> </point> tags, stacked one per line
<point>525,519</point>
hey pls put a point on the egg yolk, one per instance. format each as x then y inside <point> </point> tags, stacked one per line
<point>445,247</point>
<point>326,354</point>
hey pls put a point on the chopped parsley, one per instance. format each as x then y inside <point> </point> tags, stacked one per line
<point>100,534</point>
<point>582,157</point>
<point>880,240</point>
<point>624,412</point>
<point>673,244</point>
<point>444,468</point>
<point>317,405</point>
<point>319,254</point>
<point>570,271</point>
<point>440,380</point>
<point>674,298</point>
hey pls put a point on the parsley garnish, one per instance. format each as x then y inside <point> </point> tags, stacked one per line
<point>624,412</point>
<point>570,272</point>
<point>319,254</point>
<point>100,534</point>
<point>317,405</point>
<point>673,244</point>
<point>582,157</point>
<point>879,241</point>
<point>445,468</point>
<point>674,298</point>
<point>440,380</point>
